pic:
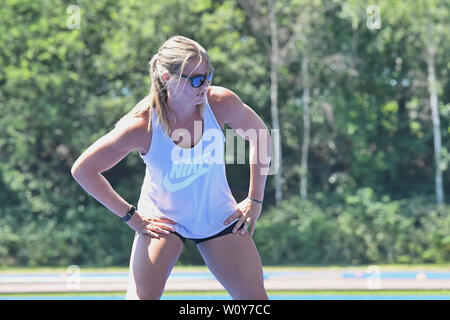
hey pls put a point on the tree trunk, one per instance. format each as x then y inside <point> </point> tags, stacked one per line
<point>431,53</point>
<point>273,100</point>
<point>306,128</point>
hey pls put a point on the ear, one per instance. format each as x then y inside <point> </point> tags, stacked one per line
<point>166,76</point>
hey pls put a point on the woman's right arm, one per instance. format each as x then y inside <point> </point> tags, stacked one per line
<point>104,154</point>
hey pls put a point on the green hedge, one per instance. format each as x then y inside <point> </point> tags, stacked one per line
<point>358,229</point>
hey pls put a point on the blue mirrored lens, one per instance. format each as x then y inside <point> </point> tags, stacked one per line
<point>197,81</point>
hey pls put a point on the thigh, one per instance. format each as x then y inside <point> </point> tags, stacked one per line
<point>151,262</point>
<point>235,262</point>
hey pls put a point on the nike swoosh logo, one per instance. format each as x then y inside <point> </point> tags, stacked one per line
<point>180,185</point>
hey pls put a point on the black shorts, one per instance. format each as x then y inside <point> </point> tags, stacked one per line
<point>221,233</point>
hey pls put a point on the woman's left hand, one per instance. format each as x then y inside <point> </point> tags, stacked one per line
<point>248,212</point>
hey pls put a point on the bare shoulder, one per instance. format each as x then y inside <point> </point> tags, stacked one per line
<point>137,131</point>
<point>222,102</point>
<point>130,133</point>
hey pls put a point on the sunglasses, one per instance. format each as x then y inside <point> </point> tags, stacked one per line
<point>197,81</point>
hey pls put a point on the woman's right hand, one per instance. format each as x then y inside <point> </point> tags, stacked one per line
<point>151,227</point>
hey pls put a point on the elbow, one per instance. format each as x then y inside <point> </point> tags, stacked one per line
<point>75,171</point>
<point>81,170</point>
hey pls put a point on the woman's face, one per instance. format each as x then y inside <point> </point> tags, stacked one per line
<point>183,92</point>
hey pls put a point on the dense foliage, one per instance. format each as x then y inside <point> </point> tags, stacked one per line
<point>371,159</point>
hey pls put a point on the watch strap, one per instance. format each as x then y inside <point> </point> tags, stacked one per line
<point>129,214</point>
<point>257,201</point>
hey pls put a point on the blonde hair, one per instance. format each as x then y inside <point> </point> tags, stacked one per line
<point>172,57</point>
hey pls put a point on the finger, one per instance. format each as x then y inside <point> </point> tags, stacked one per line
<point>246,224</point>
<point>235,215</point>
<point>238,225</point>
<point>166,227</point>
<point>151,234</point>
<point>158,230</point>
<point>163,226</point>
<point>164,220</point>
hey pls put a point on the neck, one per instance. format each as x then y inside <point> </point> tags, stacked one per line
<point>181,110</point>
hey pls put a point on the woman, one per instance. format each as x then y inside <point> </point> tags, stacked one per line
<point>182,196</point>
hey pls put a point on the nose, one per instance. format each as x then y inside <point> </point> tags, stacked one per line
<point>203,86</point>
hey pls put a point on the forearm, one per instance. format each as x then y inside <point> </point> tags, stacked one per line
<point>98,187</point>
<point>260,151</point>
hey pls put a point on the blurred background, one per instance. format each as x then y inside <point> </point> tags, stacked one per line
<point>359,90</point>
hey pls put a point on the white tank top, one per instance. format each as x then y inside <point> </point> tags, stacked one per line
<point>188,186</point>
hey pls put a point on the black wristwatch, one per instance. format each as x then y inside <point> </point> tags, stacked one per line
<point>129,214</point>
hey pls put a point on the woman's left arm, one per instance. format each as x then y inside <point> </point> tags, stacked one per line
<point>247,124</point>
